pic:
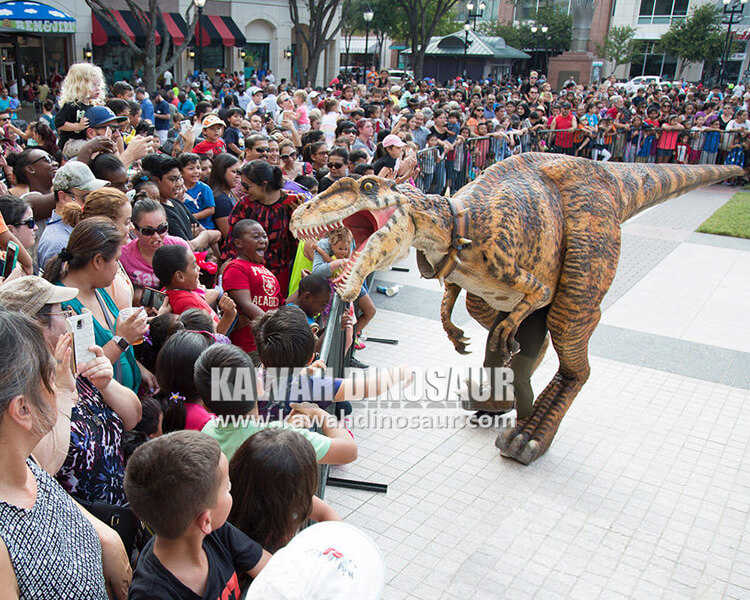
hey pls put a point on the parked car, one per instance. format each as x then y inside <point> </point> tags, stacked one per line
<point>399,76</point>
<point>644,81</point>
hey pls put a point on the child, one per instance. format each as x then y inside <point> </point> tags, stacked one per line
<point>681,150</point>
<point>200,198</point>
<point>429,161</point>
<point>602,141</point>
<point>711,143</point>
<point>233,136</point>
<point>337,249</point>
<point>178,484</point>
<point>334,445</point>
<point>82,87</point>
<point>301,118</point>
<point>249,283</point>
<point>308,182</point>
<point>212,144</point>
<point>697,139</point>
<point>178,272</point>
<point>274,478</point>
<point>632,137</point>
<point>148,428</point>
<point>312,296</point>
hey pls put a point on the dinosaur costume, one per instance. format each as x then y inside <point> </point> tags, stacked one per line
<point>535,232</point>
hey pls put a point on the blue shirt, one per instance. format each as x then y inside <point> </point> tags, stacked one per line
<point>147,110</point>
<point>53,239</point>
<point>202,198</point>
<point>162,108</point>
<point>187,108</point>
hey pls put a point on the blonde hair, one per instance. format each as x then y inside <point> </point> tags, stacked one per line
<point>301,94</point>
<point>104,202</point>
<point>76,87</point>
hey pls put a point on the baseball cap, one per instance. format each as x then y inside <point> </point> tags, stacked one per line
<point>102,115</point>
<point>211,120</point>
<point>395,88</point>
<point>254,90</point>
<point>28,294</point>
<point>332,560</point>
<point>76,175</point>
<point>393,140</point>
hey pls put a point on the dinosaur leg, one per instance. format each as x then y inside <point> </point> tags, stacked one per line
<point>592,250</point>
<point>455,334</point>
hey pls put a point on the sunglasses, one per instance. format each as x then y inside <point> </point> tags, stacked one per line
<point>262,150</point>
<point>46,157</point>
<point>149,231</point>
<point>288,156</point>
<point>332,165</point>
<point>30,223</point>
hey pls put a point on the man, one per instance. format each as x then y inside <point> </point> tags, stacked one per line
<point>102,122</point>
<point>72,183</point>
<point>122,90</point>
<point>269,103</point>
<point>147,107</point>
<point>162,117</point>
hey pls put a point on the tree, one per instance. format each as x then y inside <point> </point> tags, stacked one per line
<point>555,41</point>
<point>620,46</point>
<point>421,18</point>
<point>149,20</point>
<point>697,38</point>
<point>495,28</point>
<point>324,22</point>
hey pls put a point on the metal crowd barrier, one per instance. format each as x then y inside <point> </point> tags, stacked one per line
<point>440,170</point>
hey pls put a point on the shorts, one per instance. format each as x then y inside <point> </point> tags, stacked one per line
<point>364,291</point>
<point>661,152</point>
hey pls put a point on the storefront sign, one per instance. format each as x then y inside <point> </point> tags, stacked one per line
<point>737,56</point>
<point>39,26</point>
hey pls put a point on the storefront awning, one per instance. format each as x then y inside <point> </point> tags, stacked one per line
<point>103,33</point>
<point>34,17</point>
<point>214,29</point>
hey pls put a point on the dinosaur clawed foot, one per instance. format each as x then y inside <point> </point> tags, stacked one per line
<point>458,339</point>
<point>519,445</point>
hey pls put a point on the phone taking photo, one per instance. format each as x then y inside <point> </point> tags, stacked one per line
<point>11,258</point>
<point>82,328</point>
<point>185,126</point>
<point>152,298</point>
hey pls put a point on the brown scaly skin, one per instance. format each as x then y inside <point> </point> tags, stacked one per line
<point>545,229</point>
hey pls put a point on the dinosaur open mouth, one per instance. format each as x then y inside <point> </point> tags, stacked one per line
<point>362,224</point>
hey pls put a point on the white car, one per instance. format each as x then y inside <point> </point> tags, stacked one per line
<point>642,82</point>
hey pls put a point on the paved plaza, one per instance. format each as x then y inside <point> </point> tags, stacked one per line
<point>645,492</point>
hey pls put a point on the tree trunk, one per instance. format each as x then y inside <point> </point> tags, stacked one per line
<point>418,63</point>
<point>149,66</point>
<point>313,58</point>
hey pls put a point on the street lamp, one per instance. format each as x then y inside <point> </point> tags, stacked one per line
<point>199,4</point>
<point>467,28</point>
<point>732,15</point>
<point>87,54</point>
<point>544,29</point>
<point>473,16</point>
<point>367,16</point>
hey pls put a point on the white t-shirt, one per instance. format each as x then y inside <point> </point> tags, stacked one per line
<point>167,78</point>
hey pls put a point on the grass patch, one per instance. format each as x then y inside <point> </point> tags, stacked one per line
<point>732,219</point>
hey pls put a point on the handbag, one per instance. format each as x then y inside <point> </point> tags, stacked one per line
<point>120,518</point>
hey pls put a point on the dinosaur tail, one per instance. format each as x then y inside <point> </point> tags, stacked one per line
<point>643,185</point>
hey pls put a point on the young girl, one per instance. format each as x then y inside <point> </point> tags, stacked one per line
<point>712,139</point>
<point>632,139</point>
<point>183,407</point>
<point>178,272</point>
<point>82,87</point>
<point>331,255</point>
<point>681,150</point>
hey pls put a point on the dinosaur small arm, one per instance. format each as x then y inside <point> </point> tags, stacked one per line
<point>542,229</point>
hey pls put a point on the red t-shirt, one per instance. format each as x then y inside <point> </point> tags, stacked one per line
<point>182,300</point>
<point>265,293</point>
<point>212,148</point>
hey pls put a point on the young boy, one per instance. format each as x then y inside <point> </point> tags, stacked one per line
<point>178,484</point>
<point>249,283</point>
<point>212,143</point>
<point>233,136</point>
<point>312,296</point>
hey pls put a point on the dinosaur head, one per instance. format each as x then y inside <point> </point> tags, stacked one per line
<point>374,209</point>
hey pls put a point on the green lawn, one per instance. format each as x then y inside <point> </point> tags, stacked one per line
<point>732,219</point>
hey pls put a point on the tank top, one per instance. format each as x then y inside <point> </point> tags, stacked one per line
<point>565,138</point>
<point>53,548</point>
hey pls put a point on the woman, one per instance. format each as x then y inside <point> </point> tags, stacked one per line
<point>89,263</point>
<point>19,218</point>
<point>38,520</point>
<point>290,167</point>
<point>165,172</point>
<point>223,181</point>
<point>112,203</point>
<point>317,155</point>
<point>89,461</point>
<point>273,151</point>
<point>34,170</point>
<point>150,225</point>
<point>266,202</point>
<point>45,138</point>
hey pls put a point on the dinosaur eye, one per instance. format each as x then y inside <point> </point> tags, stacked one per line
<point>367,186</point>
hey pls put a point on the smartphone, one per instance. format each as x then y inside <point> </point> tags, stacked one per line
<point>82,328</point>
<point>185,126</point>
<point>11,257</point>
<point>152,298</point>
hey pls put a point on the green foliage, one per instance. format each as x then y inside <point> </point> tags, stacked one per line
<point>620,45</point>
<point>556,40</point>
<point>697,38</point>
<point>731,219</point>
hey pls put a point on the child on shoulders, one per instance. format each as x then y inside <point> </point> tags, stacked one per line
<point>178,484</point>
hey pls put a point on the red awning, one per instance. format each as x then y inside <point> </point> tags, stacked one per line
<point>226,36</point>
<point>178,36</point>
<point>103,32</point>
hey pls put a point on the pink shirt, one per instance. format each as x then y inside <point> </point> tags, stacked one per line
<point>139,271</point>
<point>196,416</point>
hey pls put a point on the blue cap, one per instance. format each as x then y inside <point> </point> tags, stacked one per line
<point>101,115</point>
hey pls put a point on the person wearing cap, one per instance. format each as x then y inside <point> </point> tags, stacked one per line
<point>212,144</point>
<point>72,183</point>
<point>393,146</point>
<point>255,106</point>
<point>56,546</point>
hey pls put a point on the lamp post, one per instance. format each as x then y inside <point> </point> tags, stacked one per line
<point>544,29</point>
<point>732,15</point>
<point>199,4</point>
<point>87,54</point>
<point>367,16</point>
<point>289,55</point>
<point>467,28</point>
<point>473,16</point>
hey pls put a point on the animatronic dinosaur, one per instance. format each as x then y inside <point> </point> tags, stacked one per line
<point>535,238</point>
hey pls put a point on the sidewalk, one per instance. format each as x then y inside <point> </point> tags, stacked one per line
<point>645,492</point>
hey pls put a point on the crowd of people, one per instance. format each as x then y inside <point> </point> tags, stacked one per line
<point>161,217</point>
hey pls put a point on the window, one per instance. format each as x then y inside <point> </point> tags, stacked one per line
<point>647,62</point>
<point>662,11</point>
<point>526,9</point>
<point>212,57</point>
